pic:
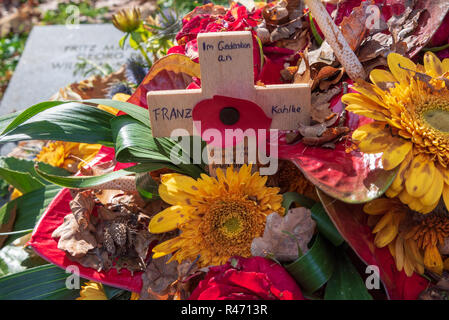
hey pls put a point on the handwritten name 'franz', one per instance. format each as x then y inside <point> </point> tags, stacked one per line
<point>171,113</point>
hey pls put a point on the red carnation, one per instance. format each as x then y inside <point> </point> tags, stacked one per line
<point>253,278</point>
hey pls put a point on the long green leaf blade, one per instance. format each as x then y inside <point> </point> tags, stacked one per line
<point>80,182</point>
<point>346,283</point>
<point>29,208</point>
<point>47,282</point>
<point>31,112</point>
<point>65,122</point>
<point>132,110</point>
<point>21,174</point>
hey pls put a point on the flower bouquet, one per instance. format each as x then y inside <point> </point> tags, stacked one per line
<point>357,207</point>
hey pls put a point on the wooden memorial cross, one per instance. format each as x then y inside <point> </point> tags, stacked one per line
<point>226,60</point>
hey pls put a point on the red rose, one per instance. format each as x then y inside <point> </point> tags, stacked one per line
<point>253,278</point>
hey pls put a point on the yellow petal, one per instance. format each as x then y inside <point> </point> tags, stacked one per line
<point>445,173</point>
<point>392,193</point>
<point>400,177</point>
<point>428,209</point>
<point>416,205</point>
<point>395,153</point>
<point>434,193</point>
<point>433,260</point>
<point>433,65</point>
<point>399,251</point>
<point>363,111</point>
<point>383,222</point>
<point>408,267</point>
<point>420,176</point>
<point>165,248</point>
<point>382,78</point>
<point>377,206</point>
<point>400,66</point>
<point>174,197</point>
<point>370,91</point>
<point>405,197</point>
<point>413,254</point>
<point>118,97</point>
<point>169,219</point>
<point>446,196</point>
<point>373,137</point>
<point>385,236</point>
<point>178,182</point>
<point>446,65</point>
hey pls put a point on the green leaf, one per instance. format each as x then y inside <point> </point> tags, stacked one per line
<point>346,283</point>
<point>133,43</point>
<point>73,122</point>
<point>47,282</point>
<point>135,143</point>
<point>130,109</point>
<point>122,40</point>
<point>31,112</point>
<point>289,198</point>
<point>315,268</point>
<point>20,180</point>
<point>112,292</point>
<point>146,186</point>
<point>4,270</point>
<point>80,182</point>
<point>7,119</point>
<point>20,173</point>
<point>29,208</point>
<point>325,225</point>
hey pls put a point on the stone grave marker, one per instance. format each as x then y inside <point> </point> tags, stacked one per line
<point>49,59</point>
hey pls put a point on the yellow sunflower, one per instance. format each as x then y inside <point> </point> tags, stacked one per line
<point>414,240</point>
<point>410,106</point>
<point>218,217</point>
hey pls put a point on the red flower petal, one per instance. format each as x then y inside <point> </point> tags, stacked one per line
<point>247,278</point>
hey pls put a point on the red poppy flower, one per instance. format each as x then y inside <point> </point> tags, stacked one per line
<point>228,115</point>
<point>253,278</point>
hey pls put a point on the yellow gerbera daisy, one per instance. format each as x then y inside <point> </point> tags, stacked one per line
<point>68,155</point>
<point>92,291</point>
<point>410,106</point>
<point>414,240</point>
<point>391,216</point>
<point>218,217</point>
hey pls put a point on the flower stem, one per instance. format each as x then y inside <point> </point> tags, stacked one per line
<point>143,52</point>
<point>436,49</point>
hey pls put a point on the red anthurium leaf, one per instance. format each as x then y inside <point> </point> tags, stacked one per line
<point>353,176</point>
<point>47,247</point>
<point>350,220</point>
<point>248,116</point>
<point>171,72</point>
<point>428,23</point>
